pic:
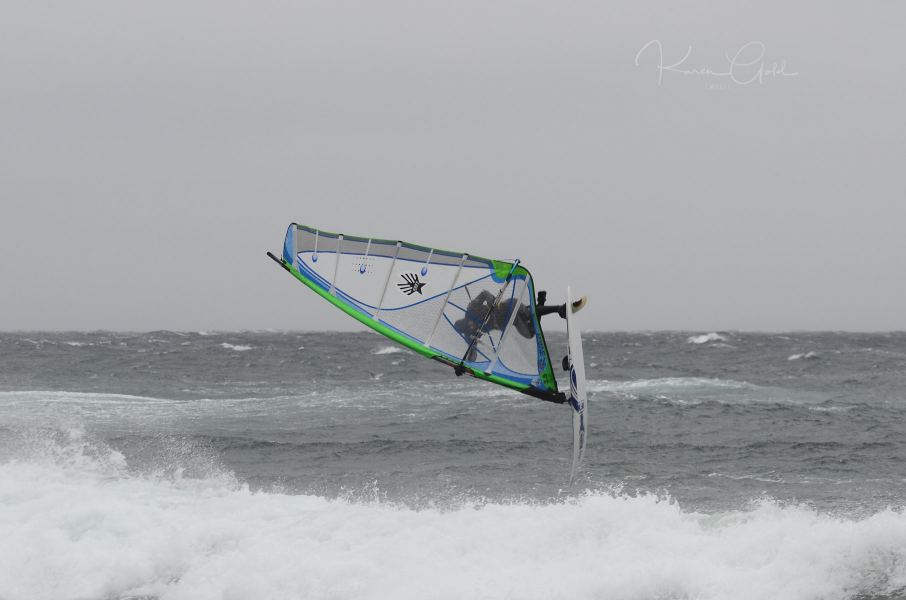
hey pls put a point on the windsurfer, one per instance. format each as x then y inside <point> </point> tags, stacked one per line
<point>478,310</point>
<point>483,304</point>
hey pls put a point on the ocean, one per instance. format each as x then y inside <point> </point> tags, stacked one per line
<point>281,465</point>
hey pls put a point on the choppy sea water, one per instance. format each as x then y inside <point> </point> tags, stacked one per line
<point>326,465</point>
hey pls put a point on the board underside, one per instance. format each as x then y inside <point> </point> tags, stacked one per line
<point>577,391</point>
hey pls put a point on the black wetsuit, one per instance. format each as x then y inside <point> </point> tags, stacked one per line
<point>549,310</point>
<point>478,309</point>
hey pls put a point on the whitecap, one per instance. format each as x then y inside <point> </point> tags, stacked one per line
<point>388,350</point>
<point>805,356</point>
<point>705,338</point>
<point>236,347</point>
<point>692,391</point>
<point>32,396</point>
<point>665,384</point>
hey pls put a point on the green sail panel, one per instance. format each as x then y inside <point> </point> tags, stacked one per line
<point>454,307</point>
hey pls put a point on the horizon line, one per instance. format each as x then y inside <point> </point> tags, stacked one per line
<point>370,332</point>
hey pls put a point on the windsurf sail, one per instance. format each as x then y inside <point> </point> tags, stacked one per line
<point>474,314</point>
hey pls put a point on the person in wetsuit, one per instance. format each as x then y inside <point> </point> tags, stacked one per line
<point>478,310</point>
<point>481,304</point>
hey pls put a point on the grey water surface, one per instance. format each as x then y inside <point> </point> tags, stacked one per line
<point>712,421</point>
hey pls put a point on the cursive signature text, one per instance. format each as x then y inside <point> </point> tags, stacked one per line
<point>744,67</point>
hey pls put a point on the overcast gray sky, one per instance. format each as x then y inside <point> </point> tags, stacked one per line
<point>151,152</point>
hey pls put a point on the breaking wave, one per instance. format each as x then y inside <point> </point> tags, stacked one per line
<point>705,338</point>
<point>804,355</point>
<point>388,350</point>
<point>236,347</point>
<point>78,522</point>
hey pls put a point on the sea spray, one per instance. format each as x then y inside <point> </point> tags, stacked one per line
<point>93,532</point>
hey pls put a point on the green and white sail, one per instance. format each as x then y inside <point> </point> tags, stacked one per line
<point>420,297</point>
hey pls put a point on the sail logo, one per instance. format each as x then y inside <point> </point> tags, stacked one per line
<point>411,284</point>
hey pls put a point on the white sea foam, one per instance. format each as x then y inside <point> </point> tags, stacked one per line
<point>40,342</point>
<point>767,477</point>
<point>388,350</point>
<point>664,384</point>
<point>692,391</point>
<point>723,345</point>
<point>805,355</point>
<point>33,396</point>
<point>705,338</point>
<point>76,520</point>
<point>236,347</point>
